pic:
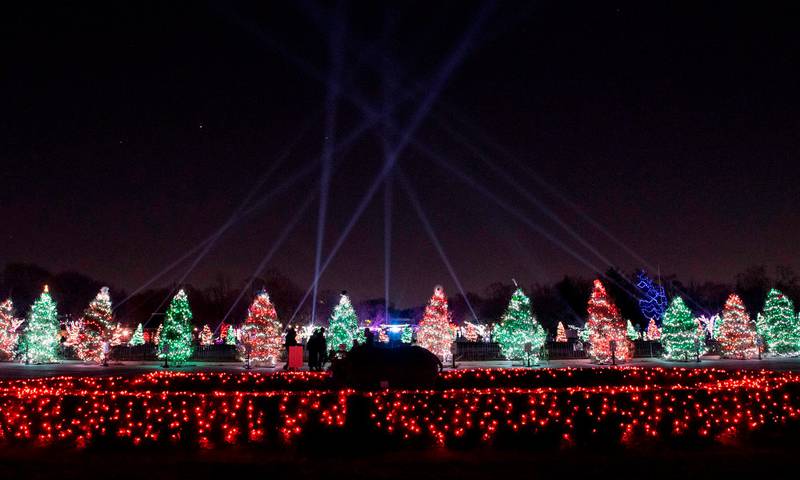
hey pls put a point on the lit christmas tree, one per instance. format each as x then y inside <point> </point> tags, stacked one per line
<point>206,336</point>
<point>652,300</point>
<point>343,325</point>
<point>138,336</point>
<point>9,324</point>
<point>737,334</point>
<point>679,331</point>
<point>631,332</point>
<point>260,335</point>
<point>40,339</point>
<point>96,329</point>
<point>223,332</point>
<point>780,328</point>
<point>470,332</point>
<point>605,325</point>
<point>561,333</point>
<point>383,337</point>
<point>176,336</point>
<point>230,337</point>
<point>435,331</point>
<point>653,333</point>
<point>519,334</point>
<point>407,336</point>
<point>157,336</point>
<point>119,335</point>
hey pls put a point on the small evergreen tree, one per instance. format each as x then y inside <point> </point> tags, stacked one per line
<point>561,333</point>
<point>230,337</point>
<point>631,332</point>
<point>138,336</point>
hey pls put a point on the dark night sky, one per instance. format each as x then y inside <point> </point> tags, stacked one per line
<point>130,132</point>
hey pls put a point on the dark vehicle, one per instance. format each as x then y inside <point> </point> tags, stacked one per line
<point>369,366</point>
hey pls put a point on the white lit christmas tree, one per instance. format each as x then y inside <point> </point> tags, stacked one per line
<point>342,325</point>
<point>138,336</point>
<point>9,330</point>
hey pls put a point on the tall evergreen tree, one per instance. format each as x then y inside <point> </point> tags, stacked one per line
<point>176,336</point>
<point>261,332</point>
<point>737,333</point>
<point>606,328</point>
<point>435,332</point>
<point>342,325</point>
<point>781,330</point>
<point>40,340</point>
<point>9,330</point>
<point>519,334</point>
<point>96,328</point>
<point>679,332</point>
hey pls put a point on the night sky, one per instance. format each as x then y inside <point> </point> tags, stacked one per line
<point>131,131</point>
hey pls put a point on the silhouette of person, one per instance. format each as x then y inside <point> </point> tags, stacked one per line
<point>369,337</point>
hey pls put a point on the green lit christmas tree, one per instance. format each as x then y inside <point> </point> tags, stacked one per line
<point>230,337</point>
<point>631,332</point>
<point>40,339</point>
<point>778,325</point>
<point>343,324</point>
<point>519,334</point>
<point>138,336</point>
<point>679,331</point>
<point>175,340</point>
<point>407,335</point>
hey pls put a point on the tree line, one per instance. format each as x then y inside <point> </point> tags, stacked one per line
<point>563,300</point>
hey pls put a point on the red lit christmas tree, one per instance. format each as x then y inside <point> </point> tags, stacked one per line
<point>260,335</point>
<point>737,333</point>
<point>96,329</point>
<point>606,328</point>
<point>9,326</point>
<point>206,336</point>
<point>435,331</point>
<point>561,333</point>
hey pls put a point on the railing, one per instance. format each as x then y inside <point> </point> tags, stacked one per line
<point>464,351</point>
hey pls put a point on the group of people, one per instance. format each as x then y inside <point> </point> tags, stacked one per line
<point>316,345</point>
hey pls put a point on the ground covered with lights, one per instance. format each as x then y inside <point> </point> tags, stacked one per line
<point>498,408</point>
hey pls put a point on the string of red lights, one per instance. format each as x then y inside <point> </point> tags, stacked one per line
<point>213,409</point>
